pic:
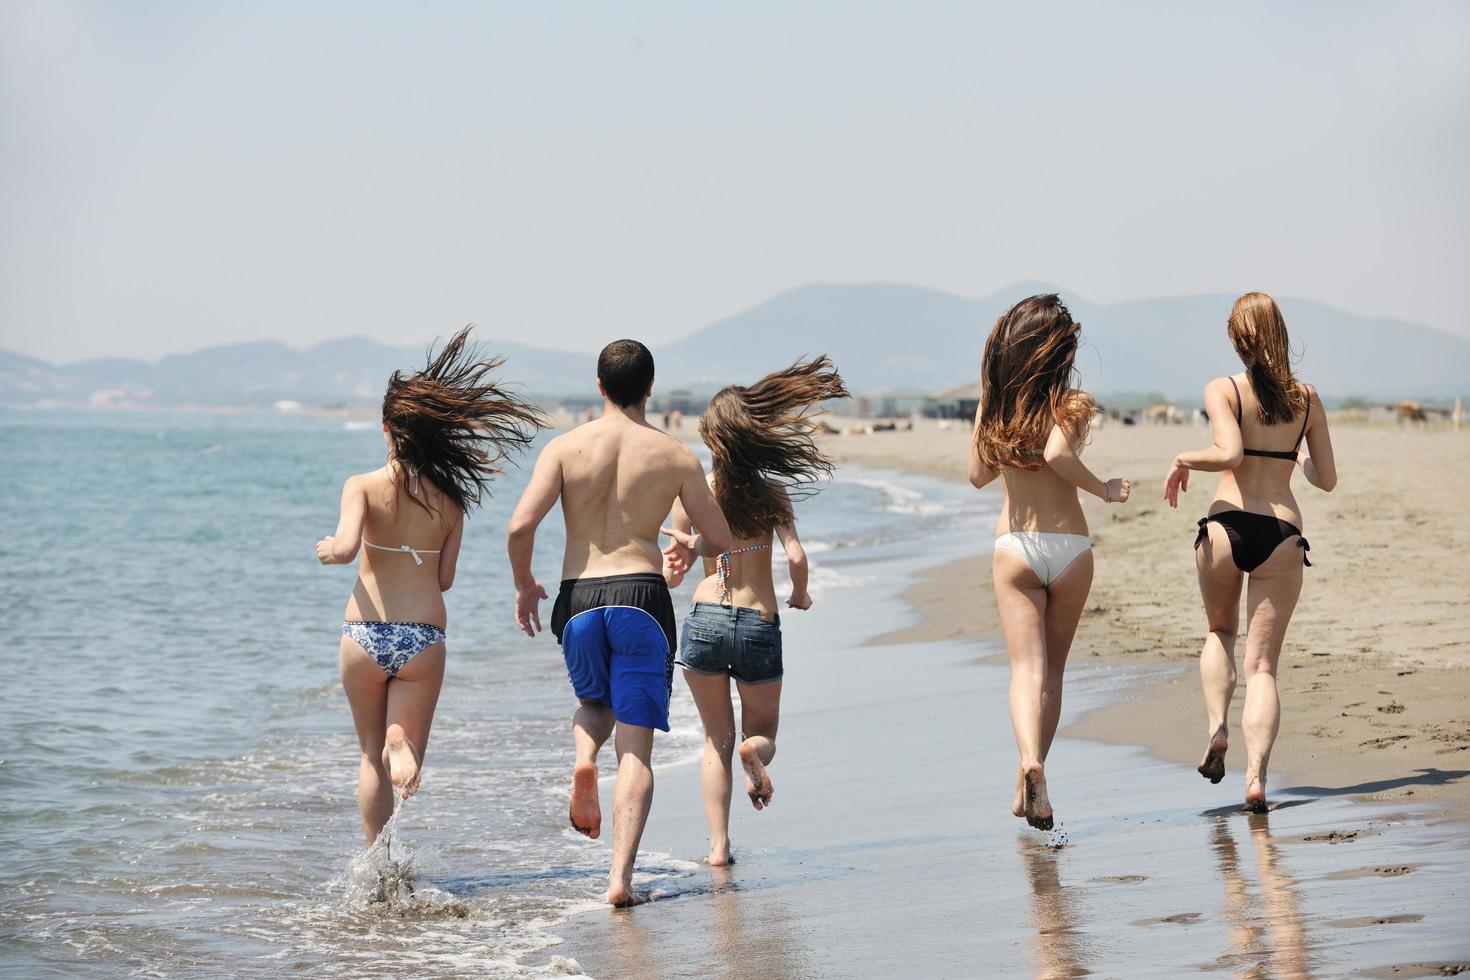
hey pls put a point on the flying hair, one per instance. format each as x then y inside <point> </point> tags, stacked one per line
<point>452,426</point>
<point>762,444</point>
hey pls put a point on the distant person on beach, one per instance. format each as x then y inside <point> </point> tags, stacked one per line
<point>1030,430</point>
<point>1252,532</point>
<point>762,454</point>
<point>617,478</point>
<point>446,428</point>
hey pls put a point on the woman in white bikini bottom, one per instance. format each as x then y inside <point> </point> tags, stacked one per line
<point>1048,553</point>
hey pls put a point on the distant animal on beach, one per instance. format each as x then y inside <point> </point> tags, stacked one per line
<point>1409,411</point>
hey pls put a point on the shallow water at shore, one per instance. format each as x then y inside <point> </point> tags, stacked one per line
<point>176,783</point>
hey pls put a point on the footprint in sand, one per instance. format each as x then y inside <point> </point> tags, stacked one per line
<point>1178,919</point>
<point>1382,871</point>
<point>1374,920</point>
<point>1452,969</point>
<point>1334,836</point>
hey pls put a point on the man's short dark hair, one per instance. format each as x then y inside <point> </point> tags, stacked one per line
<point>625,368</point>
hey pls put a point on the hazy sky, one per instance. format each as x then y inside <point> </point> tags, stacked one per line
<point>175,175</point>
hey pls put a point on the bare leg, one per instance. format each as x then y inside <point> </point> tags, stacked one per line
<point>1219,586</point>
<point>412,696</point>
<point>592,723</point>
<point>1067,594</point>
<point>1021,600</point>
<point>1270,597</point>
<point>760,715</point>
<point>712,698</point>
<point>367,694</point>
<point>631,803</point>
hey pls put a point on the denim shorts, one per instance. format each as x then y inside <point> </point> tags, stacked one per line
<point>731,640</point>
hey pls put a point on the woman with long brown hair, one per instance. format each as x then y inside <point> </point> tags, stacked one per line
<point>763,455</point>
<point>446,429</point>
<point>1252,532</point>
<point>1030,428</point>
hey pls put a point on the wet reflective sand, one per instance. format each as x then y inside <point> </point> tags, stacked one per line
<point>891,851</point>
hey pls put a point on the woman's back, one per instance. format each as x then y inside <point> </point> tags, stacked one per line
<point>1261,483</point>
<point>398,576</point>
<point>1039,500</point>
<point>747,579</point>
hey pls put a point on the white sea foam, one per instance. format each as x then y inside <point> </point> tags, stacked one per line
<point>903,499</point>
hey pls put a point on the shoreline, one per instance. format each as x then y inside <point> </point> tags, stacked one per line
<point>1370,722</point>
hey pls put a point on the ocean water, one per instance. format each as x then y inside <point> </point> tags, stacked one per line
<point>177,767</point>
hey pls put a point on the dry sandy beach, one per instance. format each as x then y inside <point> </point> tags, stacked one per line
<point>1373,679</point>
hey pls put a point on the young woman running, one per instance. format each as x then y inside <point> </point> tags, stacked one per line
<point>762,454</point>
<point>1030,430</point>
<point>446,428</point>
<point>1252,532</point>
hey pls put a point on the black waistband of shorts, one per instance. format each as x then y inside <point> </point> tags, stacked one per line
<point>651,578</point>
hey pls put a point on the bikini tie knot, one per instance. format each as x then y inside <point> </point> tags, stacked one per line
<point>1204,532</point>
<point>1301,543</point>
<point>409,549</point>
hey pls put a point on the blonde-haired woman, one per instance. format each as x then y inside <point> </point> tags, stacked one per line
<point>1252,533</point>
<point>1029,431</point>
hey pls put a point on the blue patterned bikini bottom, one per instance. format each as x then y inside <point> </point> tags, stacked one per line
<point>392,644</point>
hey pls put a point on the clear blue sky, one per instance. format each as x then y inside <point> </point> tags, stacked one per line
<point>180,174</point>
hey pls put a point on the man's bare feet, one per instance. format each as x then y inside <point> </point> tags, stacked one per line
<point>402,761</point>
<point>1037,807</point>
<point>757,784</point>
<point>720,857</point>
<point>1213,767</point>
<point>1255,795</point>
<point>1019,807</point>
<point>623,896</point>
<point>586,811</point>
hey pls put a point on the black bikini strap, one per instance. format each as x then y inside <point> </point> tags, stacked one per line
<point>1237,401</point>
<point>1306,415</point>
<point>1301,543</point>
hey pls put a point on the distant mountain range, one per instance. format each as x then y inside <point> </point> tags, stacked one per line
<point>885,338</point>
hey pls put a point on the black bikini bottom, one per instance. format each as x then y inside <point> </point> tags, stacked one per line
<point>1253,537</point>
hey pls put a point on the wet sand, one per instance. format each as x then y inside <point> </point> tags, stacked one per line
<point>890,850</point>
<point>1373,678</point>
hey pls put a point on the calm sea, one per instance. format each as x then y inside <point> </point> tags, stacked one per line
<point>177,766</point>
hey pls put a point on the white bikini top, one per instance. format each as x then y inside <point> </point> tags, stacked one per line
<point>406,549</point>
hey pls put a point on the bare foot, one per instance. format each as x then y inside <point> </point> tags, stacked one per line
<point>1037,807</point>
<point>623,896</point>
<point>1255,795</point>
<point>757,784</point>
<point>1213,768</point>
<point>401,758</point>
<point>720,857</point>
<point>1019,807</point>
<point>586,811</point>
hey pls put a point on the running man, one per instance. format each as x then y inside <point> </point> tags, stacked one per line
<point>617,479</point>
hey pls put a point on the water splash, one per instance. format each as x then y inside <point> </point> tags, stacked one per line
<point>375,876</point>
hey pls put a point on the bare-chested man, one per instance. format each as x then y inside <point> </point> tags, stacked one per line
<point>617,478</point>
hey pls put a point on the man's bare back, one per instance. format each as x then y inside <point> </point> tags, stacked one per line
<point>619,479</point>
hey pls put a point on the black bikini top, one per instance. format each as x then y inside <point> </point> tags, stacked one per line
<point>1285,454</point>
